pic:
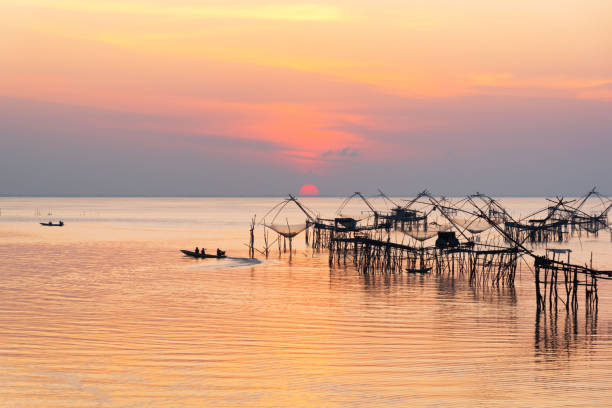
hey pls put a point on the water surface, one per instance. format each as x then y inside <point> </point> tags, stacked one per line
<point>106,312</point>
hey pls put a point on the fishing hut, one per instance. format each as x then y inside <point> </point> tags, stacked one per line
<point>549,224</point>
<point>559,281</point>
<point>590,215</point>
<point>473,237</point>
<point>349,221</point>
<point>458,249</point>
<point>556,279</point>
<point>562,219</point>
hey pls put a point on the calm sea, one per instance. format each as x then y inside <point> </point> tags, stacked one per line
<point>106,312</point>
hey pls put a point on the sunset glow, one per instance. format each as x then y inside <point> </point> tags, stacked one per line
<point>311,88</point>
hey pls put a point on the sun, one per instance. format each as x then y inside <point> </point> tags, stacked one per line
<point>309,190</point>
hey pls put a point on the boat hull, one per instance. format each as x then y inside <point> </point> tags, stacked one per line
<point>421,270</point>
<point>205,256</point>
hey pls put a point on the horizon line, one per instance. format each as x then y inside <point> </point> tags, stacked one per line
<point>269,196</point>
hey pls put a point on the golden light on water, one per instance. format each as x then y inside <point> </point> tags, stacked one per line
<point>107,311</point>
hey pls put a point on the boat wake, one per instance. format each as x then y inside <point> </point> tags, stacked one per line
<point>225,263</point>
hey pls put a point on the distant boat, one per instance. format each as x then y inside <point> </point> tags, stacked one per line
<point>418,270</point>
<point>50,224</point>
<point>194,255</point>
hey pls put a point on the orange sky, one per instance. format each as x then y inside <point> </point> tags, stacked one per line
<point>313,78</point>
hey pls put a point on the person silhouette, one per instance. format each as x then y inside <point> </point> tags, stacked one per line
<point>197,251</point>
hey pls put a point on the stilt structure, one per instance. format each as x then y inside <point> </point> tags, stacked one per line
<point>476,238</point>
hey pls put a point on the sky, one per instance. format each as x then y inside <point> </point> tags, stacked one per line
<point>252,97</point>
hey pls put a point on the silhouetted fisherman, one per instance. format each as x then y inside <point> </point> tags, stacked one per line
<point>197,251</point>
<point>203,253</point>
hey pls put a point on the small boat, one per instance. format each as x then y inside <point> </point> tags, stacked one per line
<point>50,224</point>
<point>418,270</point>
<point>194,255</point>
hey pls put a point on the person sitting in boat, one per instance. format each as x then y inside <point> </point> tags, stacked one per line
<point>61,223</point>
<point>197,251</point>
<point>220,252</point>
<point>203,252</point>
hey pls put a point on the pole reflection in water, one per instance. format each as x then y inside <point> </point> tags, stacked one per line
<point>561,331</point>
